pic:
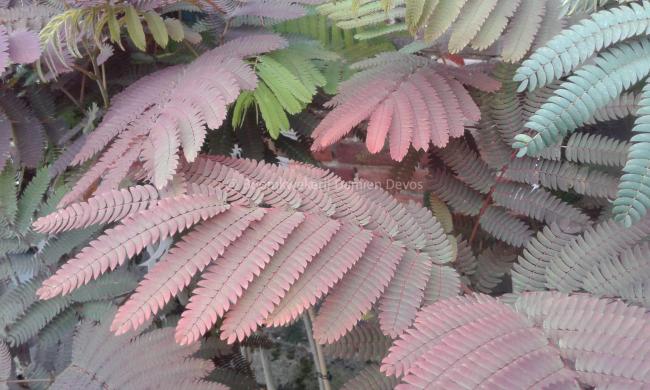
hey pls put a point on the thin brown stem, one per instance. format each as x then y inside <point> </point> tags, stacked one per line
<point>488,198</point>
<point>104,83</point>
<point>266,367</point>
<point>84,71</point>
<point>312,345</point>
<point>191,49</point>
<point>97,76</point>
<point>82,91</point>
<point>319,353</point>
<point>224,32</point>
<point>69,96</point>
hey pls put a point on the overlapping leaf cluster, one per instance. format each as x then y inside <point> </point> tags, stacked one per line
<point>552,275</point>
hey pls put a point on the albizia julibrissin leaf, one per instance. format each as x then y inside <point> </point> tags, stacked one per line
<point>101,209</point>
<point>26,131</point>
<point>171,215</point>
<point>227,277</point>
<point>359,289</point>
<point>344,250</point>
<point>24,46</point>
<point>101,360</point>
<point>19,46</point>
<point>263,253</point>
<point>176,269</point>
<point>286,265</point>
<point>370,379</point>
<point>404,294</point>
<point>167,111</point>
<point>5,362</point>
<point>606,341</point>
<point>477,331</point>
<point>365,342</point>
<point>412,99</point>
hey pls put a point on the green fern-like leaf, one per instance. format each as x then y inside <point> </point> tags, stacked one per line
<point>58,328</point>
<point>107,287</point>
<point>8,196</point>
<point>291,93</point>
<point>65,243</point>
<point>289,79</point>
<point>467,27</point>
<point>272,112</point>
<point>567,50</point>
<point>31,199</point>
<point>15,301</point>
<point>35,319</point>
<point>633,198</point>
<point>443,16</point>
<point>589,89</point>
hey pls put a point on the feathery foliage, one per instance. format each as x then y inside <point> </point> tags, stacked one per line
<point>169,174</point>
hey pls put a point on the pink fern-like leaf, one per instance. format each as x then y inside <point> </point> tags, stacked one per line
<point>365,342</point>
<point>210,172</point>
<point>261,265</point>
<point>607,341</point>
<point>404,97</point>
<point>438,116</point>
<point>413,344</point>
<point>344,117</point>
<point>277,10</point>
<point>277,191</point>
<point>348,205</point>
<point>436,243</point>
<point>24,46</point>
<point>101,209</point>
<point>101,360</point>
<point>174,272</point>
<point>327,268</point>
<point>402,125</point>
<point>121,168</point>
<point>378,126</point>
<point>450,337</point>
<point>172,108</point>
<point>422,129</point>
<point>271,285</point>
<point>192,132</point>
<point>450,103</point>
<point>443,283</point>
<point>253,44</point>
<point>225,280</point>
<point>129,238</point>
<point>370,379</point>
<point>114,153</point>
<point>125,108</point>
<point>160,154</point>
<point>401,300</point>
<point>359,289</point>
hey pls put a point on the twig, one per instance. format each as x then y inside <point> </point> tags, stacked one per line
<point>312,344</point>
<point>488,198</point>
<point>97,76</point>
<point>84,71</point>
<point>319,353</point>
<point>268,379</point>
<point>224,32</point>
<point>82,92</point>
<point>69,96</point>
<point>190,48</point>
